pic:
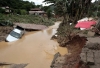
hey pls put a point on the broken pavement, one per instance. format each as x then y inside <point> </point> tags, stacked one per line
<point>30,26</point>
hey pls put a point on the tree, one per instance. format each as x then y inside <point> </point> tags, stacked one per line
<point>27,5</point>
<point>95,8</point>
<point>17,4</point>
<point>71,11</point>
<point>48,9</point>
<point>71,7</point>
<point>23,12</point>
<point>2,10</point>
<point>45,8</point>
<point>49,13</point>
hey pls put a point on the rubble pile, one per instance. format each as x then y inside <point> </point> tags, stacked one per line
<point>91,55</point>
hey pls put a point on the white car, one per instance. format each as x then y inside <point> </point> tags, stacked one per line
<point>15,35</point>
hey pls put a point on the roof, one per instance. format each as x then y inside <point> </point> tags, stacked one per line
<point>35,9</point>
<point>85,24</point>
<point>32,12</point>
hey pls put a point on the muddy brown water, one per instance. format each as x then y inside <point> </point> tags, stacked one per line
<point>35,48</point>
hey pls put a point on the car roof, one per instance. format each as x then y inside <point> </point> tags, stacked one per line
<point>17,30</point>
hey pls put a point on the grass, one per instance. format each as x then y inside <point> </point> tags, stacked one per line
<point>28,19</point>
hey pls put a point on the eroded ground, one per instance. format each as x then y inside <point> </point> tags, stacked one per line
<point>4,31</point>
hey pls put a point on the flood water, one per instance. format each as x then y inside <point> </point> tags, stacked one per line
<point>35,48</point>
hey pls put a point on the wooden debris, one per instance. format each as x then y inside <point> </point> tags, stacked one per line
<point>12,65</point>
<point>5,63</point>
<point>18,66</point>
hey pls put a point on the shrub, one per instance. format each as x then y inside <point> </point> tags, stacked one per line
<point>23,12</point>
<point>29,19</point>
<point>2,10</point>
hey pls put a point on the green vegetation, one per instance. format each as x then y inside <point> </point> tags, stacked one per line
<point>17,4</point>
<point>5,22</point>
<point>28,19</point>
<point>95,9</point>
<point>19,13</point>
<point>2,10</point>
<point>71,11</point>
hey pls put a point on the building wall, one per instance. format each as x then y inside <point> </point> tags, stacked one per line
<point>7,9</point>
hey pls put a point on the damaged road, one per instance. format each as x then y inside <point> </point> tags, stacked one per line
<point>35,48</point>
<point>30,26</point>
<point>5,30</point>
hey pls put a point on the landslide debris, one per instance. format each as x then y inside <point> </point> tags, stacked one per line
<point>4,31</point>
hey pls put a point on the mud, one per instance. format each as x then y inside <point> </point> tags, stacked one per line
<point>35,48</point>
<point>4,31</point>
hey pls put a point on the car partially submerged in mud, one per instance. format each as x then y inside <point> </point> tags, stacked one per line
<point>15,35</point>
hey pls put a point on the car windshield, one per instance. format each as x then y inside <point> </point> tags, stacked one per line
<point>14,34</point>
